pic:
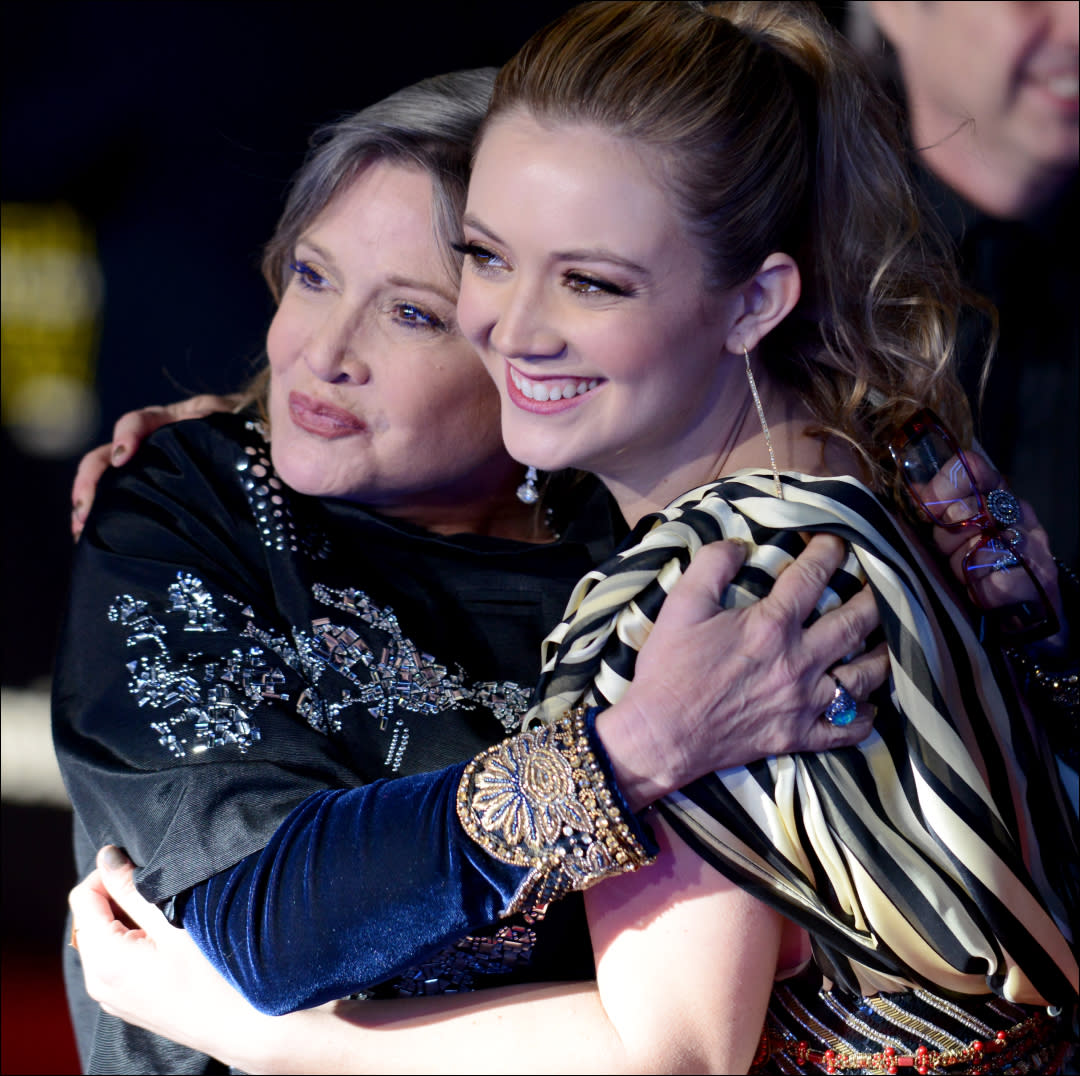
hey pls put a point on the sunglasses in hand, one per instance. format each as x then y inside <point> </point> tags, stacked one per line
<point>940,481</point>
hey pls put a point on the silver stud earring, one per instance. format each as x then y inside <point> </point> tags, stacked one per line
<point>527,492</point>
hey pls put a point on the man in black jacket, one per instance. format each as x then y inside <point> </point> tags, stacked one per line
<point>991,91</point>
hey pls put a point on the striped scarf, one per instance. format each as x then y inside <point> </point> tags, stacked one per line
<point>937,853</point>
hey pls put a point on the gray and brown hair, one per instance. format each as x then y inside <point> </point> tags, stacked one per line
<point>430,126</point>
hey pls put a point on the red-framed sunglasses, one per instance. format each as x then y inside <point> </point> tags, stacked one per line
<point>940,481</point>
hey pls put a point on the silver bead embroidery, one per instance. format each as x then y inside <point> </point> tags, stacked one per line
<point>141,626</point>
<point>390,679</point>
<point>189,595</point>
<point>265,494</point>
<point>411,679</point>
<point>208,700</point>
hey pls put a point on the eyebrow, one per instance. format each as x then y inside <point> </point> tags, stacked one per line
<point>319,252</point>
<point>581,254</point>
<point>395,280</point>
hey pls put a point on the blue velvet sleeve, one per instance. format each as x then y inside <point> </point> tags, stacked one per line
<point>353,887</point>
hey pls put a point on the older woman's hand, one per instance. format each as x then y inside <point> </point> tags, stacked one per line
<point>718,687</point>
<point>130,431</point>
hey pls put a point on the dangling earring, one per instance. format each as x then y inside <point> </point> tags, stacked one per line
<point>764,425</point>
<point>527,492</point>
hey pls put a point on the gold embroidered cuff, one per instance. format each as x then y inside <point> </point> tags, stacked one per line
<point>543,800</point>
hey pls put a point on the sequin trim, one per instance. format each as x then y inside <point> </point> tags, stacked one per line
<point>455,969</point>
<point>796,1041</point>
<point>540,800</point>
<point>391,679</point>
<point>205,702</point>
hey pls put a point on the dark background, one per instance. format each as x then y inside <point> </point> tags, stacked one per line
<point>171,127</point>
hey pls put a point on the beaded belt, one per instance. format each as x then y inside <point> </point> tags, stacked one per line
<point>1035,1035</point>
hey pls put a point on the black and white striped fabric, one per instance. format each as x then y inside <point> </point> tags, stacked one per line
<point>937,853</point>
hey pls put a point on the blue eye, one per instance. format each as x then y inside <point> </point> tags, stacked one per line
<point>415,316</point>
<point>307,276</point>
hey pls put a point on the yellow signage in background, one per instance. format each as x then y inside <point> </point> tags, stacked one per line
<point>52,289</point>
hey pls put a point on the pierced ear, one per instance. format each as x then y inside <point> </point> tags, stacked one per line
<point>768,297</point>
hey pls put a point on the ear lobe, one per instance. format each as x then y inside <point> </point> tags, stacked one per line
<point>768,297</point>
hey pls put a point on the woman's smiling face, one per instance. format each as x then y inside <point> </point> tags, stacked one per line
<point>585,295</point>
<point>375,395</point>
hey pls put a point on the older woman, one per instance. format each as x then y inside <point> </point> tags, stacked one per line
<point>677,269</point>
<point>287,635</point>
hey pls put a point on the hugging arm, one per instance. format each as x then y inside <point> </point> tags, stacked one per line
<point>203,814</point>
<point>273,925</point>
<point>662,1000</point>
<point>580,1026</point>
<point>130,430</point>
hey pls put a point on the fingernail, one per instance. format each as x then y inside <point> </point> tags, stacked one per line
<point>113,859</point>
<point>118,453</point>
<point>740,542</point>
<point>78,511</point>
<point>73,941</point>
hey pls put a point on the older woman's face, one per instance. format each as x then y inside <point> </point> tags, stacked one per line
<point>375,396</point>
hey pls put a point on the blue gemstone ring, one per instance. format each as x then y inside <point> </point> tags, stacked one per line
<point>841,711</point>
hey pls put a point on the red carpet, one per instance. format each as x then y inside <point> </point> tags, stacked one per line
<point>36,1036</point>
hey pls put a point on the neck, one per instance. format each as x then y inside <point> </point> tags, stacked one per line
<point>743,446</point>
<point>993,178</point>
<point>501,515</point>
<point>698,458</point>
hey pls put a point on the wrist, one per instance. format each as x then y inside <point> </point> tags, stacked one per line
<point>1055,682</point>
<point>1051,665</point>
<point>262,1043</point>
<point>644,767</point>
<point>545,800</point>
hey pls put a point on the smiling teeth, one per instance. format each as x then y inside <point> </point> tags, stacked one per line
<point>544,391</point>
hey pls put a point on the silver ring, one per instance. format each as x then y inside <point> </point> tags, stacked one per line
<point>1013,537</point>
<point>1003,507</point>
<point>842,710</point>
<point>1005,559</point>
